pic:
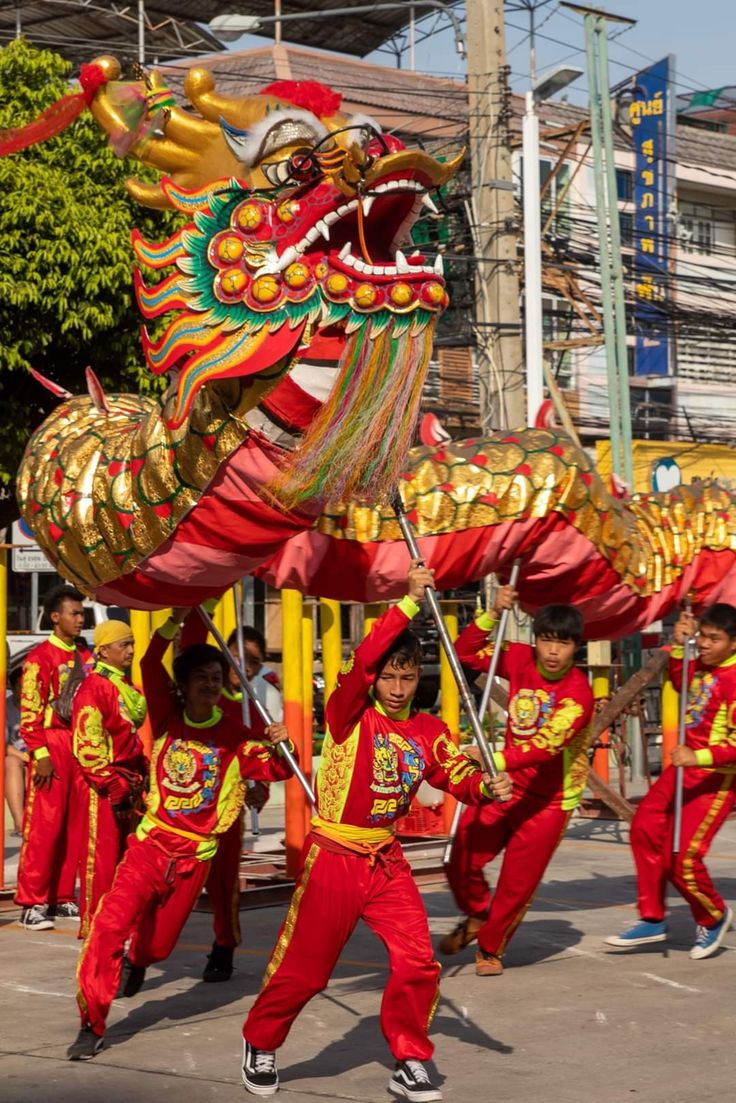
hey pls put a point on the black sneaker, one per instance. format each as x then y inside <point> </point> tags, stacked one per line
<point>67,910</point>
<point>131,979</point>
<point>260,1074</point>
<point>411,1080</point>
<point>219,963</point>
<point>86,1046</point>
<point>37,918</point>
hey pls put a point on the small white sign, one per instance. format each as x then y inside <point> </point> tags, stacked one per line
<point>27,556</point>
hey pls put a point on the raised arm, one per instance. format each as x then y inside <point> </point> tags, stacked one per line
<point>358,672</point>
<point>158,688</point>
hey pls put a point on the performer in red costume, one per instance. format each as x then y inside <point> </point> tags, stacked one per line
<point>708,760</point>
<point>550,706</point>
<point>200,761</point>
<point>223,879</point>
<point>107,712</point>
<point>52,823</point>
<point>376,752</point>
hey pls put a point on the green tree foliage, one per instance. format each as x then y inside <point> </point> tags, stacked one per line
<point>66,292</point>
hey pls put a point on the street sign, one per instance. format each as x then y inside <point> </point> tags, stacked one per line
<point>27,556</point>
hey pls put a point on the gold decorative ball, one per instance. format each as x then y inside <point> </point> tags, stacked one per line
<point>265,289</point>
<point>287,211</point>
<point>401,294</point>
<point>365,294</point>
<point>297,275</point>
<point>434,292</point>
<point>321,269</point>
<point>337,284</point>
<point>230,249</point>
<point>250,216</point>
<point>233,281</point>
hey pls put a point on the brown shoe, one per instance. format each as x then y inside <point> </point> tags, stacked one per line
<point>487,965</point>
<point>461,936</point>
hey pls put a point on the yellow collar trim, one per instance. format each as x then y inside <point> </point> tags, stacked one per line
<point>210,723</point>
<point>57,642</point>
<point>403,715</point>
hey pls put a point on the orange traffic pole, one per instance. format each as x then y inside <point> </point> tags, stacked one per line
<point>292,670</point>
<point>140,625</point>
<point>670,720</point>
<point>307,699</point>
<point>331,630</point>
<point>449,700</point>
<point>601,692</point>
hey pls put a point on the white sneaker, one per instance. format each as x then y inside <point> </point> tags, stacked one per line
<point>36,918</point>
<point>68,910</point>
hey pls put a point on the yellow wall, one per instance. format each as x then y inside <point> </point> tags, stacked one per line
<point>695,461</point>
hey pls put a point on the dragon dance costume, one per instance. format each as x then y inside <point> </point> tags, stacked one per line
<point>198,773</point>
<point>52,822</point>
<point>709,794</point>
<point>353,866</point>
<point>107,712</point>
<point>545,756</point>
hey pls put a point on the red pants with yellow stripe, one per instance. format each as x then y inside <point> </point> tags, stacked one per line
<point>150,900</point>
<point>52,828</point>
<point>223,886</point>
<point>334,890</point>
<point>104,838</point>
<point>708,798</point>
<point>529,834</point>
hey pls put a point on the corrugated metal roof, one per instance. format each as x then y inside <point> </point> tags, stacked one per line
<point>79,29</point>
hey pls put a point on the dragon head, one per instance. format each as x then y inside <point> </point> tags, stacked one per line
<point>298,214</point>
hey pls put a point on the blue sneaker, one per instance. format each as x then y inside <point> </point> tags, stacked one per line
<point>641,934</point>
<point>708,939</point>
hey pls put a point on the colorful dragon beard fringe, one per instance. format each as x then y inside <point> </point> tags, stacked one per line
<point>295,219</point>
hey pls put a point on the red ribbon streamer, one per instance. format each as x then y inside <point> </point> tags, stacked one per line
<point>57,117</point>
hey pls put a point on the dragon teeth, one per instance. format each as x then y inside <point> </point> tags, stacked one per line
<point>439,266</point>
<point>346,250</point>
<point>429,202</point>
<point>367,202</point>
<point>323,228</point>
<point>402,264</point>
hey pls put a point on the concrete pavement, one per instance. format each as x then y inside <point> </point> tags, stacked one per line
<point>568,1021</point>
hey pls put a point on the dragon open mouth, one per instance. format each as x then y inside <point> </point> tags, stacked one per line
<point>363,236</point>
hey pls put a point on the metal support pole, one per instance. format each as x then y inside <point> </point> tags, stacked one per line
<point>604,247</point>
<point>617,268</point>
<point>255,828</point>
<point>141,32</point>
<point>260,709</point>
<point>532,263</point>
<point>500,636</point>
<point>681,735</point>
<point>434,605</point>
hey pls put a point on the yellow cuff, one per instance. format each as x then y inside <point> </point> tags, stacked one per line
<point>41,752</point>
<point>678,651</point>
<point>168,629</point>
<point>409,606</point>
<point>486,622</point>
<point>704,757</point>
<point>500,760</point>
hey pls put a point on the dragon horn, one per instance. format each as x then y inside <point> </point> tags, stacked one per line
<point>200,90</point>
<point>96,392</point>
<point>56,390</point>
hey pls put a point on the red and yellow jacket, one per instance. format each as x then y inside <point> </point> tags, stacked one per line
<point>710,720</point>
<point>373,763</point>
<point>106,715</point>
<point>546,732</point>
<point>198,770</point>
<point>45,671</point>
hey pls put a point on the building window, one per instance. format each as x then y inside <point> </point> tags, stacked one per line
<point>706,230</point>
<point>651,412</point>
<point>626,222</point>
<point>625,185</point>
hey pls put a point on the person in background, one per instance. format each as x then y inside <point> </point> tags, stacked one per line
<point>265,682</point>
<point>107,712</point>
<point>16,753</point>
<point>49,855</point>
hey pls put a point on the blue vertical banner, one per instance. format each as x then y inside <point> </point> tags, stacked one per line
<point>653,131</point>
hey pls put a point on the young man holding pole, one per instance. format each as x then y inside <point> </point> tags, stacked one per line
<point>107,712</point>
<point>550,708</point>
<point>706,760</point>
<point>376,752</point>
<point>201,759</point>
<point>49,855</point>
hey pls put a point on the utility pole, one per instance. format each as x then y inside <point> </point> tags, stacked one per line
<point>494,219</point>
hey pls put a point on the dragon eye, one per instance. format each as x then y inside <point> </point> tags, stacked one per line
<point>302,165</point>
<point>277,172</point>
